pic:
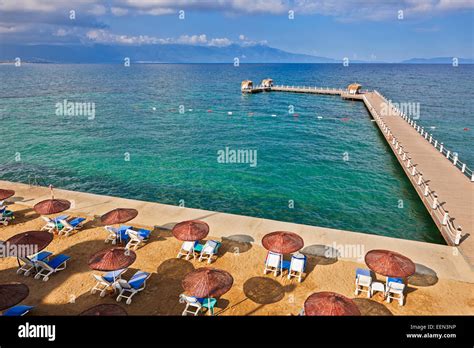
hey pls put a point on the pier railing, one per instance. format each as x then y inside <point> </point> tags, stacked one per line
<point>429,197</point>
<point>308,88</point>
<point>450,155</point>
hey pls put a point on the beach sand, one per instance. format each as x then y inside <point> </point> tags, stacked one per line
<point>68,292</point>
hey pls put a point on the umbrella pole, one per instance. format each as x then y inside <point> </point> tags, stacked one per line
<point>209,305</point>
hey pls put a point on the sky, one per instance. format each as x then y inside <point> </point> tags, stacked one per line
<point>372,30</point>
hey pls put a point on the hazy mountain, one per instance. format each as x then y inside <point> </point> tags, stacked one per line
<point>438,60</point>
<point>172,53</point>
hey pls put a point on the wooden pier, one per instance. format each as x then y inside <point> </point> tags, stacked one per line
<point>444,184</point>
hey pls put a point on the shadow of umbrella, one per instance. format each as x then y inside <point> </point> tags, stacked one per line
<point>324,254</point>
<point>424,276</point>
<point>263,291</point>
<point>370,307</point>
<point>239,243</point>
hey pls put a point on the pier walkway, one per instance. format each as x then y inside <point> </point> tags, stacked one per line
<point>444,183</point>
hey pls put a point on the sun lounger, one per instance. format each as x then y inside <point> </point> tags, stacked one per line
<point>112,236</point>
<point>46,268</point>
<point>31,263</point>
<point>297,266</point>
<point>195,305</point>
<point>127,289</point>
<point>52,224</point>
<point>17,311</point>
<point>136,238</point>
<point>187,250</point>
<point>106,281</point>
<point>6,216</point>
<point>208,250</point>
<point>395,289</point>
<point>273,263</point>
<point>363,281</point>
<point>67,227</point>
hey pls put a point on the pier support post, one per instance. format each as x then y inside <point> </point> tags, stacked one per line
<point>436,143</point>
<point>457,238</point>
<point>404,156</point>
<point>426,135</point>
<point>413,171</point>
<point>427,191</point>
<point>455,160</point>
<point>435,201</point>
<point>441,147</point>
<point>448,153</point>
<point>420,179</point>
<point>431,138</point>
<point>463,169</point>
<point>445,219</point>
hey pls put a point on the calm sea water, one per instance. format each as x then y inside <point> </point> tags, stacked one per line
<point>329,160</point>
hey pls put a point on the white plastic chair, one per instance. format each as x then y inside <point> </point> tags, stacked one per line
<point>209,250</point>
<point>363,282</point>
<point>273,263</point>
<point>187,249</point>
<point>396,291</point>
<point>135,239</point>
<point>113,234</point>
<point>192,305</point>
<point>297,266</point>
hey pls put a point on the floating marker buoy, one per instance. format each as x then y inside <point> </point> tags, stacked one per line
<point>209,110</point>
<point>345,119</point>
<point>250,114</point>
<point>466,129</point>
<point>274,115</point>
<point>432,127</point>
<point>229,113</point>
<point>296,115</point>
<point>153,108</point>
<point>320,117</point>
<point>190,109</point>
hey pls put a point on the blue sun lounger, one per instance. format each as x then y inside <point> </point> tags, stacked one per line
<point>46,268</point>
<point>17,311</point>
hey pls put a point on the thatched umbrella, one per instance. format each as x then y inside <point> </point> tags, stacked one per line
<point>105,310</point>
<point>207,282</point>
<point>11,294</point>
<point>330,303</point>
<point>191,230</point>
<point>390,263</point>
<point>28,243</point>
<point>112,259</point>
<point>52,206</point>
<point>118,216</point>
<point>4,194</point>
<point>282,242</point>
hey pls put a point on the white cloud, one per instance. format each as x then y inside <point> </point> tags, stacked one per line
<point>118,11</point>
<point>104,36</point>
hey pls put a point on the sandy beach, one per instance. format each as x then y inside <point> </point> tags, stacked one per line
<point>430,292</point>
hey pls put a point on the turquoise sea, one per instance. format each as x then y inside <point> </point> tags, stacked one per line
<point>324,164</point>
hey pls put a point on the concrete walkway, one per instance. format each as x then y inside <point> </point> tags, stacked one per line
<point>444,260</point>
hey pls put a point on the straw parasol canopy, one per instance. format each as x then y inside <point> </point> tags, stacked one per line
<point>191,230</point>
<point>52,206</point>
<point>11,294</point>
<point>112,259</point>
<point>354,87</point>
<point>4,194</point>
<point>282,242</point>
<point>246,84</point>
<point>118,216</point>
<point>109,309</point>
<point>390,263</point>
<point>207,282</point>
<point>330,303</point>
<point>28,243</point>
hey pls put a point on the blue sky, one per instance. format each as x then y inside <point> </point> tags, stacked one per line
<point>358,29</point>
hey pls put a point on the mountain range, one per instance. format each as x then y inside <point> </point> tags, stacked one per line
<point>174,53</point>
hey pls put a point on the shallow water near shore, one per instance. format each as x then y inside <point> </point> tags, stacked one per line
<point>324,164</point>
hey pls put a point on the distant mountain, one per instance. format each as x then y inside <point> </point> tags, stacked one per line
<point>438,60</point>
<point>171,53</point>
